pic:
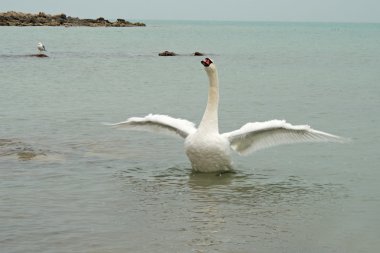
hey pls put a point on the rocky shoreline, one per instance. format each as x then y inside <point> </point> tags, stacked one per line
<point>12,18</point>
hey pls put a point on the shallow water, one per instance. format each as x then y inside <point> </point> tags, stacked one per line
<point>70,184</point>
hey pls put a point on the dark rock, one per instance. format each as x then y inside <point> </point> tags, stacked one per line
<point>42,14</point>
<point>138,24</point>
<point>198,54</point>
<point>167,53</point>
<point>38,55</point>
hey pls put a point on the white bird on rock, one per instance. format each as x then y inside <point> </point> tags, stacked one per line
<point>207,149</point>
<point>41,47</point>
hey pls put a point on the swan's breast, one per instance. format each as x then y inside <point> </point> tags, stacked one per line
<point>208,153</point>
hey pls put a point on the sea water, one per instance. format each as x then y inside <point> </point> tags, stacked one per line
<point>68,183</point>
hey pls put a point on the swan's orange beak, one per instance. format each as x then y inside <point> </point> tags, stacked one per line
<point>206,62</point>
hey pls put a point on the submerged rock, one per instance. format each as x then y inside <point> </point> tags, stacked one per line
<point>26,155</point>
<point>13,147</point>
<point>12,18</point>
<point>18,150</point>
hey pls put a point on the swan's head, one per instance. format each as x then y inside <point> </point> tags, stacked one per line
<point>206,62</point>
<point>209,65</point>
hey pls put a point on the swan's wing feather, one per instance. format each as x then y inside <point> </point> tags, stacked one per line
<point>259,135</point>
<point>158,123</point>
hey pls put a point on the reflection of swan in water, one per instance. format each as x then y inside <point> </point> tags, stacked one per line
<point>201,181</point>
<point>209,151</point>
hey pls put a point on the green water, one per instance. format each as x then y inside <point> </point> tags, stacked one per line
<point>70,184</point>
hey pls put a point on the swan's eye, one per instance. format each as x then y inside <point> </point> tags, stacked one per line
<point>206,62</point>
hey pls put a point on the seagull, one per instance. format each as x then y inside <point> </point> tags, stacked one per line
<point>41,47</point>
<point>210,151</point>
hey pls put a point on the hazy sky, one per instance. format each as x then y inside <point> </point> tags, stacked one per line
<point>250,10</point>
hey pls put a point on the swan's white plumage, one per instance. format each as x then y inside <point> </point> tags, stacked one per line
<point>260,135</point>
<point>159,123</point>
<point>209,151</point>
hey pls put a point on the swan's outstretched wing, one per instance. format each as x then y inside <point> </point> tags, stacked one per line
<point>260,135</point>
<point>158,123</point>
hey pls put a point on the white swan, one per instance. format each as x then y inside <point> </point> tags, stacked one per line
<point>41,47</point>
<point>209,151</point>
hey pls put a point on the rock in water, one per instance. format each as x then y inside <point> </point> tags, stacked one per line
<point>167,53</point>
<point>198,54</point>
<point>38,55</point>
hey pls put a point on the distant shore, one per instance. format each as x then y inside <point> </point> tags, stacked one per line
<point>12,18</point>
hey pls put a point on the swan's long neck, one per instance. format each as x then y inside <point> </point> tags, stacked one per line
<point>209,121</point>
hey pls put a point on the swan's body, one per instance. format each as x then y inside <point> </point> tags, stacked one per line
<point>208,152</point>
<point>41,47</point>
<point>207,149</point>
